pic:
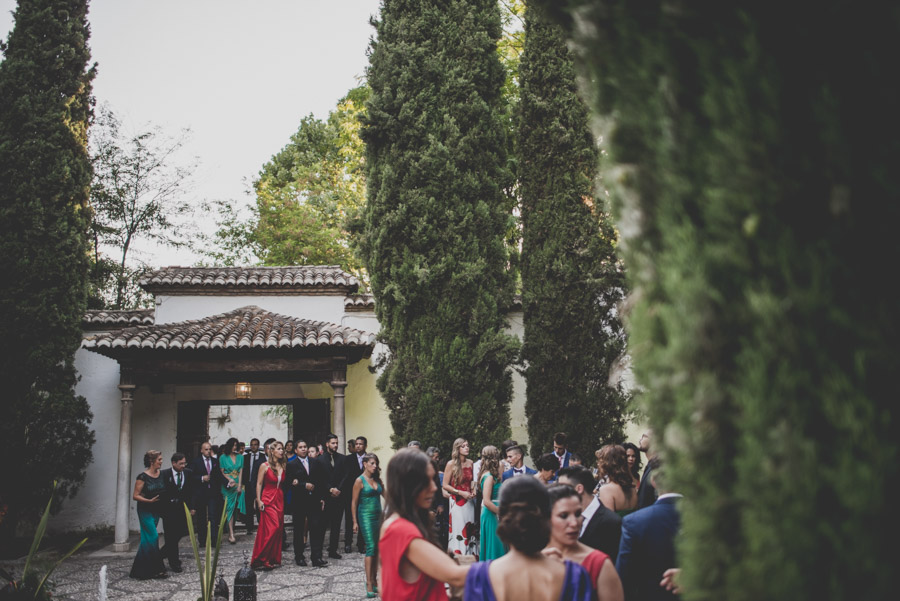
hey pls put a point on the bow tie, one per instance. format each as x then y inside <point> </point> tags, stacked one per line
<point>517,470</point>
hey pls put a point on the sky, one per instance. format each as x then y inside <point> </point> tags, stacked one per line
<point>241,74</point>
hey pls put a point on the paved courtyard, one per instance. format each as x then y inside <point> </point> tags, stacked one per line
<point>77,579</point>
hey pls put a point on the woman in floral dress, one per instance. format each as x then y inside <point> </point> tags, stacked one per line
<point>459,482</point>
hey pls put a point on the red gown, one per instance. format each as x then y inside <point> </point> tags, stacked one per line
<point>267,548</point>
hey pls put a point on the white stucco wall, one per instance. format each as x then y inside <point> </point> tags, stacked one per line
<point>171,309</point>
<point>238,420</point>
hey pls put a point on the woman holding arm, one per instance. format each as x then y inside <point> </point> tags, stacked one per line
<point>458,481</point>
<point>413,567</point>
<point>565,527</point>
<point>148,563</point>
<point>489,486</point>
<point>270,499</point>
<point>367,492</point>
<point>232,466</point>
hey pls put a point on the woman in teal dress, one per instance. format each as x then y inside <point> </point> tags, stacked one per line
<point>232,464</point>
<point>367,492</point>
<point>489,489</point>
<point>148,488</point>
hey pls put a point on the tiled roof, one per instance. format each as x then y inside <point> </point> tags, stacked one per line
<point>359,302</point>
<point>94,319</point>
<point>257,279</point>
<point>244,328</point>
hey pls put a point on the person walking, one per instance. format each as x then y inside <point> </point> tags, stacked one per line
<point>148,490</point>
<point>232,466</point>
<point>177,482</point>
<point>270,500</point>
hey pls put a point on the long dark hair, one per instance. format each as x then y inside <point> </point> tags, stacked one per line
<point>376,475</point>
<point>636,470</point>
<point>407,476</point>
<point>229,447</point>
<point>614,464</point>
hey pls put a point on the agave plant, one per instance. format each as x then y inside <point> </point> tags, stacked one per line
<point>208,575</point>
<point>32,585</point>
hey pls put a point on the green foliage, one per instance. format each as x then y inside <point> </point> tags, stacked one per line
<point>756,189</point>
<point>571,280</point>
<point>436,219</point>
<point>137,193</point>
<point>307,196</point>
<point>45,175</point>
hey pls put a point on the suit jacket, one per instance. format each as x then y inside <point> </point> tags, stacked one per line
<point>173,498</point>
<point>251,472</point>
<point>509,473</point>
<point>603,532</point>
<point>646,492</point>
<point>330,477</point>
<point>353,472</point>
<point>204,491</point>
<point>300,497</point>
<point>647,550</point>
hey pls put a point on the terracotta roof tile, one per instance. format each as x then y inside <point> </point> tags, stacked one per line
<point>94,319</point>
<point>359,302</point>
<point>208,279</point>
<point>244,328</point>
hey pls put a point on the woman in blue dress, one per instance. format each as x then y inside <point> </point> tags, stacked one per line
<point>148,488</point>
<point>367,492</point>
<point>489,489</point>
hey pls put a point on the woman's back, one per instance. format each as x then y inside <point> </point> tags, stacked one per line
<point>516,577</point>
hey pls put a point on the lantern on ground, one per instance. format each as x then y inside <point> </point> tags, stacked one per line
<point>245,584</point>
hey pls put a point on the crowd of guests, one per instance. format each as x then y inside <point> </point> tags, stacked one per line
<point>562,531</point>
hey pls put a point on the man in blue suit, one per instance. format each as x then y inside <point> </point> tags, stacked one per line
<point>560,449</point>
<point>515,457</point>
<point>647,549</point>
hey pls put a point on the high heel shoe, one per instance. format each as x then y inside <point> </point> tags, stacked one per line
<point>232,541</point>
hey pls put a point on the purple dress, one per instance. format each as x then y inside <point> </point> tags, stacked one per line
<point>577,586</point>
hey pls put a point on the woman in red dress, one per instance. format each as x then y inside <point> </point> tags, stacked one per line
<point>270,500</point>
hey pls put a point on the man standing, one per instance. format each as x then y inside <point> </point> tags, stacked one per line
<point>354,469</point>
<point>560,444</point>
<point>647,549</point>
<point>253,458</point>
<point>306,504</point>
<point>602,527</point>
<point>177,480</point>
<point>207,485</point>
<point>646,492</point>
<point>516,458</point>
<point>333,470</point>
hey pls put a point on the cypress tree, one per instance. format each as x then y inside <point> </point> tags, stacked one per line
<point>45,175</point>
<point>571,281</point>
<point>435,220</point>
<point>758,210</point>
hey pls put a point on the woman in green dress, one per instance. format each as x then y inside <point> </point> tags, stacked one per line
<point>367,492</point>
<point>148,490</point>
<point>489,489</point>
<point>232,464</point>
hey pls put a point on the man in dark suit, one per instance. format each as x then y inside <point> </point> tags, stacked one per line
<point>306,504</point>
<point>647,549</point>
<point>333,476</point>
<point>646,491</point>
<point>354,469</point>
<point>560,449</point>
<point>207,493</point>
<point>516,457</point>
<point>602,527</point>
<point>253,458</point>
<point>178,482</point>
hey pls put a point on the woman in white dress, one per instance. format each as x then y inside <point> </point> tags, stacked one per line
<point>459,481</point>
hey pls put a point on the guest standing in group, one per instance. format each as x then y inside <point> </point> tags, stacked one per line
<point>367,492</point>
<point>333,473</point>
<point>148,490</point>
<point>440,504</point>
<point>458,481</point>
<point>413,567</point>
<point>207,494</point>
<point>602,527</point>
<point>524,572</point>
<point>177,481</point>
<point>489,489</point>
<point>566,520</point>
<point>633,459</point>
<point>232,466</point>
<point>313,451</point>
<point>253,458</point>
<point>548,465</point>
<point>355,457</point>
<point>618,493</point>
<point>270,500</point>
<point>515,458</point>
<point>306,505</point>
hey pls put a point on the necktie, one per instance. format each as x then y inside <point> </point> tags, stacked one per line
<point>179,480</point>
<point>332,459</point>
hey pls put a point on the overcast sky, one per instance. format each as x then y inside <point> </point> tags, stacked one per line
<point>240,73</point>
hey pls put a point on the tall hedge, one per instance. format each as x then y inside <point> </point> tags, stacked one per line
<point>571,279</point>
<point>45,174</point>
<point>435,220</point>
<point>758,196</point>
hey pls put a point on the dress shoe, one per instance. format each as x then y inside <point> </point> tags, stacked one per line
<point>348,549</point>
<point>319,563</point>
<point>176,567</point>
<point>300,561</point>
<point>335,555</point>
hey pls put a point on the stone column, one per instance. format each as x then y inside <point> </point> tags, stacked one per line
<point>339,384</point>
<point>124,485</point>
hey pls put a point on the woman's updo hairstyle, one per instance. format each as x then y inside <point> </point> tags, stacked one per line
<point>150,457</point>
<point>524,515</point>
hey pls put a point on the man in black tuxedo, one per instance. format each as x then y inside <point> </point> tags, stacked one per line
<point>647,493</point>
<point>354,469</point>
<point>207,485</point>
<point>178,482</point>
<point>333,470</point>
<point>306,504</point>
<point>602,527</point>
<point>253,458</point>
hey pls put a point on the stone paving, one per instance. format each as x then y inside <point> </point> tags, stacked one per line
<point>77,579</point>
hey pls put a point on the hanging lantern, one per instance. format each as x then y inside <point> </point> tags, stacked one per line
<point>242,390</point>
<point>245,584</point>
